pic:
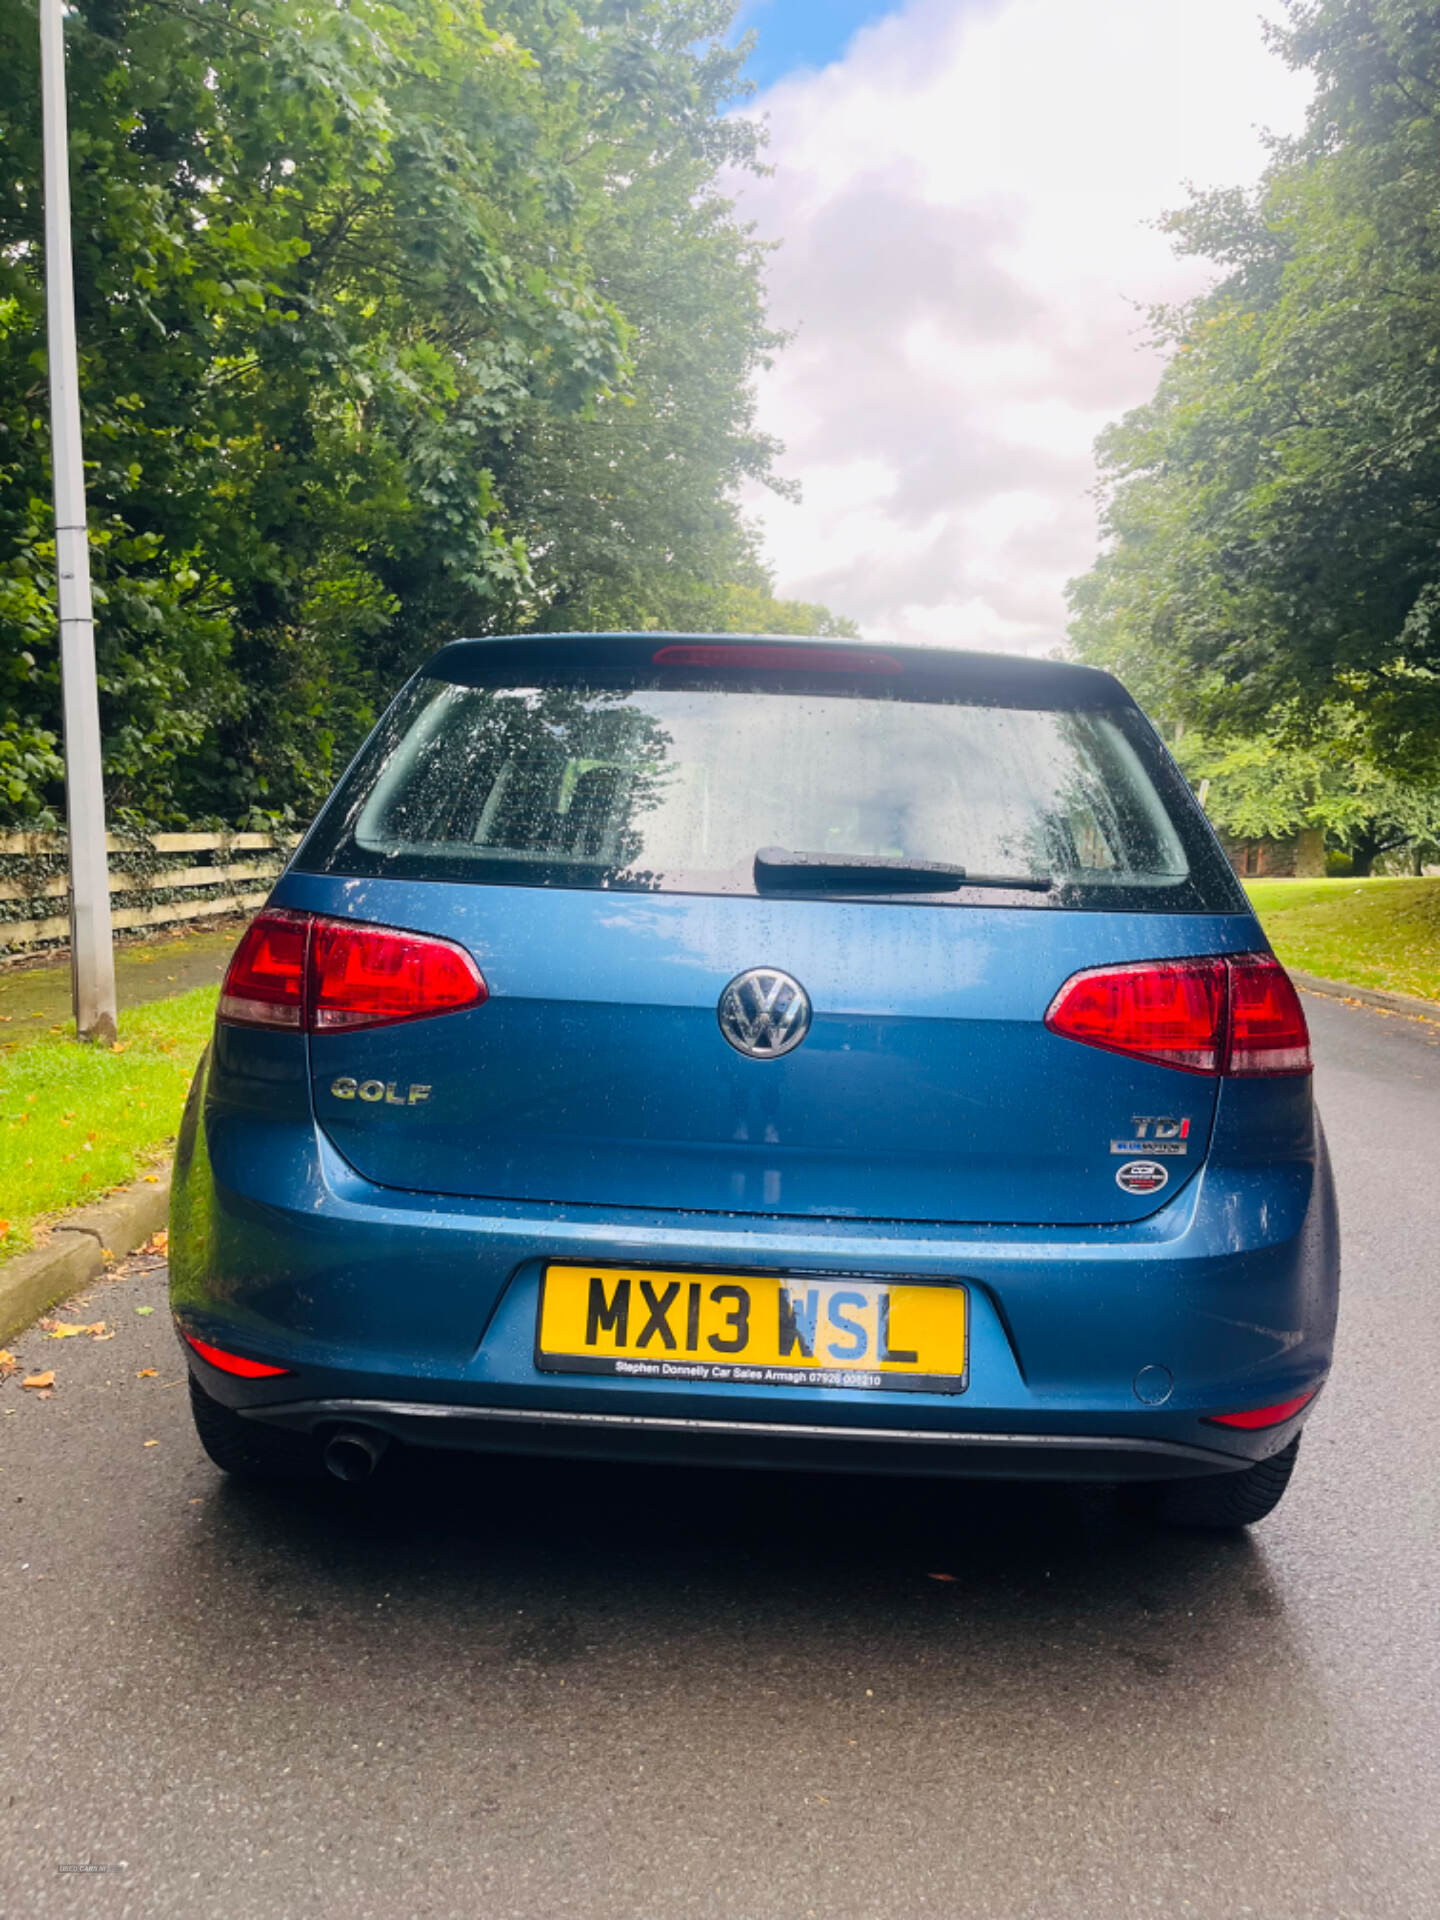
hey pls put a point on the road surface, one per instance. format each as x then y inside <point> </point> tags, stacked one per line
<point>543,1691</point>
<point>35,995</point>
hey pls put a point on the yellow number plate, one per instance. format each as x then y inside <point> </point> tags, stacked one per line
<point>753,1329</point>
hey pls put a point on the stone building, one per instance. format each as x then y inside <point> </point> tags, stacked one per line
<point>1298,856</point>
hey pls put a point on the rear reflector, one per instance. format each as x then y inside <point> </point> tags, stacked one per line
<point>1262,1416</point>
<point>318,976</point>
<point>1233,1014</point>
<point>233,1362</point>
<point>798,659</point>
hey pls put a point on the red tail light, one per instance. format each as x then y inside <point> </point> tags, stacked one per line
<point>1237,1015</point>
<point>234,1363</point>
<point>1268,1033</point>
<point>801,659</point>
<point>265,981</point>
<point>1173,1012</point>
<point>320,976</point>
<point>367,976</point>
<point>1255,1417</point>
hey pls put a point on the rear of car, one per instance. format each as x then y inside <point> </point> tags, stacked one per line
<point>771,1051</point>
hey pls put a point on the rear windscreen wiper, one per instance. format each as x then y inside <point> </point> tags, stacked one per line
<point>779,870</point>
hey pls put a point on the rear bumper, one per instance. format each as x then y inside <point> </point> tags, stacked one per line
<point>417,1312</point>
<point>833,1448</point>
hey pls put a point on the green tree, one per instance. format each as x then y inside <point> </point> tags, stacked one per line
<point>395,323</point>
<point>1268,786</point>
<point>1273,514</point>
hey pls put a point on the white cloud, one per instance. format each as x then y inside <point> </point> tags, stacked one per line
<point>967,204</point>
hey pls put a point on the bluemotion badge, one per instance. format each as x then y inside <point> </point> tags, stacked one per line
<point>1156,1134</point>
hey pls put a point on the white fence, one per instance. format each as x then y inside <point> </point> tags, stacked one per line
<point>149,886</point>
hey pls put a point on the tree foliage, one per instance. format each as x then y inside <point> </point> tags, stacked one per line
<point>1273,514</point>
<point>1272,785</point>
<point>396,322</point>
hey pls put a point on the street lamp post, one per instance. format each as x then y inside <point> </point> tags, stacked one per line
<point>92,958</point>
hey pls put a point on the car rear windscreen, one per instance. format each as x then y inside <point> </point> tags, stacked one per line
<point>599,780</point>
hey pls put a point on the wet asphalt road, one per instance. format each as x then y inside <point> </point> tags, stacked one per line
<point>35,996</point>
<point>548,1691</point>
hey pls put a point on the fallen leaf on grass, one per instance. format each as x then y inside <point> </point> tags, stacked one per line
<point>158,1242</point>
<point>120,1046</point>
<point>40,1380</point>
<point>148,1373</point>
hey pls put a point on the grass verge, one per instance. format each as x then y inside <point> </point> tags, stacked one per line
<point>1368,933</point>
<point>77,1121</point>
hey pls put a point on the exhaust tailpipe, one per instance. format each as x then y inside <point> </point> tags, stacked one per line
<point>354,1454</point>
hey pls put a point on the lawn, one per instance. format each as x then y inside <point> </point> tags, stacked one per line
<point>76,1121</point>
<point>1368,933</point>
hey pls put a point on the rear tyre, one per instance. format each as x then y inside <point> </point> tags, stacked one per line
<point>1224,1499</point>
<point>247,1449</point>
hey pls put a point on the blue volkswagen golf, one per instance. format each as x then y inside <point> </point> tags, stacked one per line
<point>767,1052</point>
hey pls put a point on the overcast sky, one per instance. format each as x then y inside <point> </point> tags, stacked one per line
<point>966,193</point>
